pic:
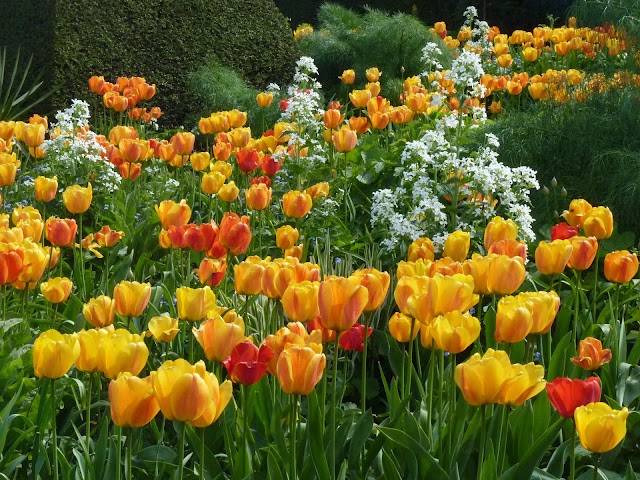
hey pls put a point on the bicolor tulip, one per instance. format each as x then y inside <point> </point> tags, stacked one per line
<point>505,275</point>
<point>499,229</point>
<point>400,327</point>
<point>583,253</point>
<point>296,204</point>
<point>99,311</point>
<point>591,355</point>
<point>299,368</point>
<point>341,301</point>
<point>132,401</point>
<point>46,188</point>
<point>235,233</point>
<point>56,290</point>
<point>218,335</point>
<point>131,298</point>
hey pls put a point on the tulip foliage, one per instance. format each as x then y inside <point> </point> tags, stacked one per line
<point>235,303</point>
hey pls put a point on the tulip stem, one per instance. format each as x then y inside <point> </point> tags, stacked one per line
<point>183,428</point>
<point>293,427</point>
<point>54,430</point>
<point>595,467</point>
<point>482,440</point>
<point>363,399</point>
<point>202,451</point>
<point>119,453</point>
<point>572,472</point>
<point>594,293</point>
<point>334,407</point>
<point>502,439</point>
<point>128,471</point>
<point>440,402</point>
<point>410,363</point>
<point>576,307</point>
<point>88,419</point>
<point>83,292</point>
<point>432,362</point>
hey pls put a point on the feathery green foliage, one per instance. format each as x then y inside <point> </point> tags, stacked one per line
<point>344,40</point>
<point>624,14</point>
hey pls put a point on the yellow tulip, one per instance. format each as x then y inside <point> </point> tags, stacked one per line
<point>552,258</point>
<point>599,427</point>
<point>525,382</point>
<point>77,199</point>
<point>514,319</point>
<point>598,223</point>
<point>505,275</point>
<point>54,354</point>
<point>457,246</point>
<point>377,285</point>
<point>100,311</point>
<point>454,331</point>
<point>56,290</point>
<point>131,298</point>
<point>341,301</point>
<point>544,308</point>
<point>299,368</point>
<point>132,401</point>
<point>300,301</point>
<point>195,303</point>
<point>123,351</point>
<point>499,229</point>
<point>578,211</point>
<point>400,327</point>
<point>90,346</point>
<point>218,335</point>
<point>481,378</point>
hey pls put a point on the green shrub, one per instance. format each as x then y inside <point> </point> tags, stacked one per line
<point>345,39</point>
<point>162,41</point>
<point>591,148</point>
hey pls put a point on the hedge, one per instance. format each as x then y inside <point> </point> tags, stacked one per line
<point>161,40</point>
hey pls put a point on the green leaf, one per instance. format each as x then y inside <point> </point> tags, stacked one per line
<point>401,438</point>
<point>361,433</point>
<point>316,436</point>
<point>560,358</point>
<point>389,466</point>
<point>489,464</point>
<point>6,417</point>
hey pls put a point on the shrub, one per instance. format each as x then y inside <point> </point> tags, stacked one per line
<point>162,41</point>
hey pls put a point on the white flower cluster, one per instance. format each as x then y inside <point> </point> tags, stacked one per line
<point>466,69</point>
<point>431,55</point>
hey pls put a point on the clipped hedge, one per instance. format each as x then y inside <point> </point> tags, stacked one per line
<point>162,40</point>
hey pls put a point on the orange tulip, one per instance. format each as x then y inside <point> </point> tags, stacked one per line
<point>584,252</point>
<point>505,275</point>
<point>359,125</point>
<point>131,298</point>
<point>132,400</point>
<point>499,229</point>
<point>264,99</point>
<point>296,204</point>
<point>235,233</point>
<point>300,301</point>
<point>620,266</point>
<point>544,307</point>
<point>172,213</point>
<point>510,248</point>
<point>591,355</point>
<point>299,368</point>
<point>421,248</point>
<point>319,190</point>
<point>332,118</point>
<point>212,270</point>
<point>183,142</point>
<point>61,232</point>
<point>345,140</point>
<point>377,285</point>
<point>218,335</point>
<point>379,120</point>
<point>258,196</point>
<point>11,264</point>
<point>341,301</point>
<point>400,327</point>
<point>133,150</point>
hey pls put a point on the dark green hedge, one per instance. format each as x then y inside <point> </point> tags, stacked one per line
<point>161,40</point>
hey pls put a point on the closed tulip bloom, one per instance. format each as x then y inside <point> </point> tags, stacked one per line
<point>172,213</point>
<point>132,400</point>
<point>332,118</point>
<point>341,301</point>
<point>620,266</point>
<point>54,354</point>
<point>100,311</point>
<point>544,307</point>
<point>286,237</point>
<point>499,229</point>
<point>7,173</point>
<point>235,233</point>
<point>11,264</point>
<point>345,140</point>
<point>599,427</point>
<point>131,298</point>
<point>294,334</point>
<point>247,363</point>
<point>408,287</point>
<point>258,196</point>
<point>31,134</point>
<point>248,160</point>
<point>195,303</point>
<point>567,394</point>
<point>505,275</point>
<point>237,118</point>
<point>248,276</point>
<point>525,382</point>
<point>35,261</point>
<point>299,369</point>
<point>61,232</point>
<point>7,129</point>
<point>481,378</point>
<point>359,98</point>
<point>577,213</point>
<point>457,245</point>
<point>379,120</point>
<point>455,292</point>
<point>90,346</point>
<point>163,328</point>
<point>212,270</point>
<point>218,335</point>
<point>598,223</point>
<point>77,199</point>
<point>183,142</point>
<point>583,253</point>
<point>348,77</point>
<point>222,151</point>
<point>212,182</point>
<point>454,331</point>
<point>46,188</point>
<point>300,301</point>
<point>56,290</point>
<point>552,258</point>
<point>377,284</point>
<point>120,132</point>
<point>264,99</point>
<point>421,248</point>
<point>228,192</point>
<point>514,319</point>
<point>184,391</point>
<point>134,150</point>
<point>530,54</point>
<point>123,351</point>
<point>477,267</point>
<point>400,327</point>
<point>591,355</point>
<point>510,248</point>
<point>296,204</point>
<point>200,161</point>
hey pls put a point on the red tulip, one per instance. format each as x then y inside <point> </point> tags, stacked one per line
<point>563,231</point>
<point>248,160</point>
<point>567,394</point>
<point>247,363</point>
<point>353,339</point>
